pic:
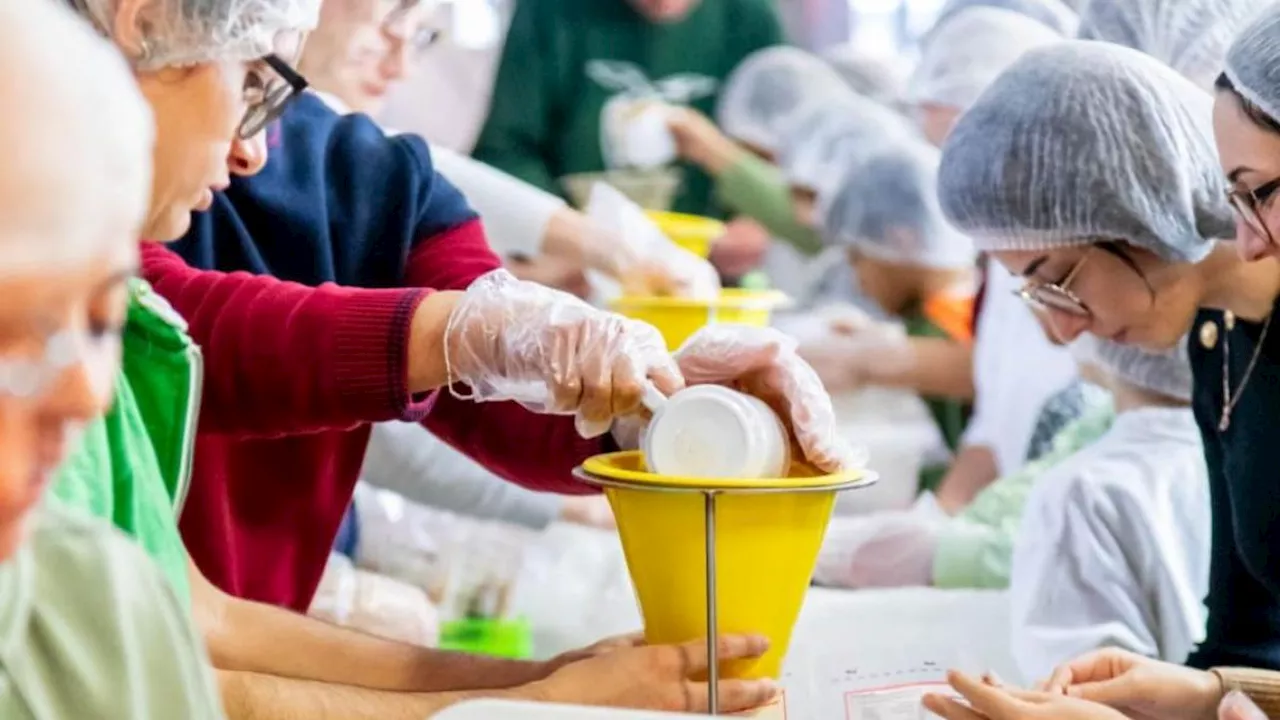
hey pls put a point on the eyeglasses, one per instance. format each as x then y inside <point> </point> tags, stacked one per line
<point>275,98</point>
<point>31,377</point>
<point>1058,296</point>
<point>1247,203</point>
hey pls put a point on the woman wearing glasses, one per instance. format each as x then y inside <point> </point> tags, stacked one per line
<point>1090,171</point>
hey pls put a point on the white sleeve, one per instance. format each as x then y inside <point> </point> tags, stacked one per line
<point>407,458</point>
<point>515,213</point>
<point>1079,581</point>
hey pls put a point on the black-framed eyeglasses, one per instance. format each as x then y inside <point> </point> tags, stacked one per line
<point>1058,295</point>
<point>274,99</point>
<point>1248,203</point>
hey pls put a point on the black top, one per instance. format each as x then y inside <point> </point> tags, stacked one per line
<point>1244,483</point>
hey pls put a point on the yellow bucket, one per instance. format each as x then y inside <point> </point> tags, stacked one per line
<point>691,232</point>
<point>767,535</point>
<point>678,318</point>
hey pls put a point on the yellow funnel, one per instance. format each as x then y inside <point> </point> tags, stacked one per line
<point>767,535</point>
<point>691,232</point>
<point>678,318</point>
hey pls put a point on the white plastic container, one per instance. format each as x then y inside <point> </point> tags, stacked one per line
<point>709,431</point>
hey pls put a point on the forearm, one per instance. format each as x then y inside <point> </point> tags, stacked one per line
<point>757,189</point>
<point>939,368</point>
<point>252,696</point>
<point>973,470</point>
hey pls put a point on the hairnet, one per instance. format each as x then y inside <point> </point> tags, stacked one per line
<point>765,90</point>
<point>1190,36</point>
<point>1085,141</point>
<point>969,50</point>
<point>1253,62</point>
<point>1167,372</point>
<point>1054,14</point>
<point>886,206</point>
<point>869,76</point>
<point>190,32</point>
<point>813,148</point>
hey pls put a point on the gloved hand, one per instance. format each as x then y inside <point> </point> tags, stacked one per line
<point>742,247</point>
<point>856,350</point>
<point>889,549</point>
<point>763,362</point>
<point>553,353</point>
<point>622,242</point>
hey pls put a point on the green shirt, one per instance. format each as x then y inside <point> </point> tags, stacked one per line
<point>569,64</point>
<point>133,465</point>
<point>89,629</point>
<point>758,190</point>
<point>975,550</point>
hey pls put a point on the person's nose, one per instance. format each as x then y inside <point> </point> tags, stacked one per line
<point>1066,326</point>
<point>1251,245</point>
<point>248,157</point>
<point>81,392</point>
<point>395,66</point>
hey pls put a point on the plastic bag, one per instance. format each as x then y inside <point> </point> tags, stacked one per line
<point>375,604</point>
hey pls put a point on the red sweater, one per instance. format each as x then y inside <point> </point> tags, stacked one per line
<point>294,375</point>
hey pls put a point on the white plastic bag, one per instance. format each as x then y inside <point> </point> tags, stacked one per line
<point>375,604</point>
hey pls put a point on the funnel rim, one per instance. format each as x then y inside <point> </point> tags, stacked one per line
<point>634,480</point>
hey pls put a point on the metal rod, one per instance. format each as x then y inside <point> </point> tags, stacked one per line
<point>713,645</point>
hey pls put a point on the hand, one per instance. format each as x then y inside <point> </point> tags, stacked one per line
<point>1138,686</point>
<point>989,701</point>
<point>763,362</point>
<point>741,249</point>
<point>897,551</point>
<point>553,353</point>
<point>858,351</point>
<point>1237,706</point>
<point>658,677</point>
<point>699,141</point>
<point>591,511</point>
<point>552,271</point>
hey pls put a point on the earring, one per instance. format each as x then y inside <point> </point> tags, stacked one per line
<point>144,50</point>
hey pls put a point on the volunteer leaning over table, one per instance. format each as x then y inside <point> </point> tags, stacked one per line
<point>88,627</point>
<point>214,81</point>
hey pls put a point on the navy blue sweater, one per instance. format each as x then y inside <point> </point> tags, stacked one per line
<point>1244,477</point>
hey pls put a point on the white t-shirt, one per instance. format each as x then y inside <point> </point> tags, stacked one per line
<point>1016,370</point>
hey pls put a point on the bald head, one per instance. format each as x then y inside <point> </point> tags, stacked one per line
<point>77,140</point>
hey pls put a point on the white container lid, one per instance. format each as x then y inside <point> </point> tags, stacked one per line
<point>709,431</point>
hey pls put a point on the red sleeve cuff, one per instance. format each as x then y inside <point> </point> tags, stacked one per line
<point>371,354</point>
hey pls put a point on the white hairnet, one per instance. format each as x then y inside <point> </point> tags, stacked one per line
<point>886,207</point>
<point>1054,14</point>
<point>1253,62</point>
<point>969,50</point>
<point>762,94</point>
<point>813,149</point>
<point>1166,372</point>
<point>1190,36</point>
<point>874,77</point>
<point>190,32</point>
<point>1084,141</point>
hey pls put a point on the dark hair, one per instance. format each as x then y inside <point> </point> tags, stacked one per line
<point>1256,115</point>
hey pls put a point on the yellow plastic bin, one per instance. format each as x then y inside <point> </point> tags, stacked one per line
<point>716,556</point>
<point>678,318</point>
<point>691,232</point>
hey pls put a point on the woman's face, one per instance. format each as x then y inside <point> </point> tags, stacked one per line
<point>363,47</point>
<point>198,111</point>
<point>1250,157</point>
<point>1137,299</point>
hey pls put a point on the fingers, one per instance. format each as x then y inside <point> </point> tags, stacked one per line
<point>729,647</point>
<point>735,695</point>
<point>1237,706</point>
<point>990,701</point>
<point>949,709</point>
<point>1098,665</point>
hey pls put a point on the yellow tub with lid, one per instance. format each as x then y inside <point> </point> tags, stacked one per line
<point>678,318</point>
<point>765,535</point>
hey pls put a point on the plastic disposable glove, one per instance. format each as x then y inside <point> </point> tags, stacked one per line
<point>553,353</point>
<point>856,350</point>
<point>763,362</point>
<point>891,549</point>
<point>375,604</point>
<point>629,247</point>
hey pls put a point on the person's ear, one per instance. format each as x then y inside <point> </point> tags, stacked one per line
<point>129,29</point>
